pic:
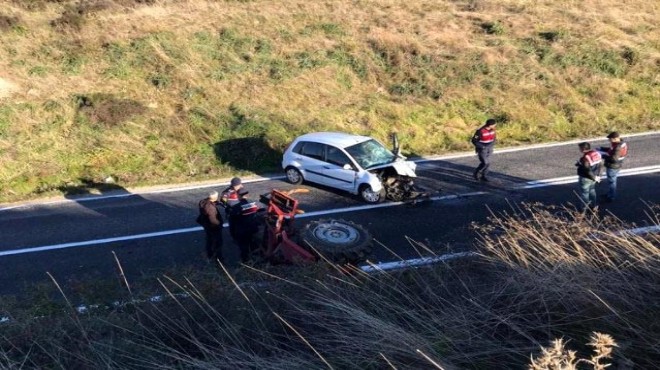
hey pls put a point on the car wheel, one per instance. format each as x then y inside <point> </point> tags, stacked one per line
<point>293,175</point>
<point>338,241</point>
<point>370,196</point>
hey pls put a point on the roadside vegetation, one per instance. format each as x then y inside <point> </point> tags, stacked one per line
<point>100,94</point>
<point>543,278</point>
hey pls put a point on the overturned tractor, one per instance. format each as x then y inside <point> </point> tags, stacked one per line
<point>336,241</point>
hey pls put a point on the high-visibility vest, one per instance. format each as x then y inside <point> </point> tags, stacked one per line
<point>622,153</point>
<point>486,136</point>
<point>229,197</point>
<point>593,158</point>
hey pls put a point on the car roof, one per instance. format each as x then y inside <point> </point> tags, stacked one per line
<point>339,139</point>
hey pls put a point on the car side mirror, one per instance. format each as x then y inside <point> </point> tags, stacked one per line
<point>396,149</point>
<point>347,167</point>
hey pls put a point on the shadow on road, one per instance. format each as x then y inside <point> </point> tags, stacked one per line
<point>455,178</point>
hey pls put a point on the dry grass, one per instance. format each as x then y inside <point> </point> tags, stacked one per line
<point>430,69</point>
<point>558,357</point>
<point>554,275</point>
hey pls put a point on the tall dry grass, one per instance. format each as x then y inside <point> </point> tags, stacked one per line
<point>544,274</point>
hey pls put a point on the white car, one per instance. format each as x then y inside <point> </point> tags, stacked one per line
<point>358,164</point>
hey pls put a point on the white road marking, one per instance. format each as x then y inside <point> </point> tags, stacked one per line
<point>573,179</point>
<point>98,241</point>
<point>642,230</point>
<point>424,261</point>
<point>526,147</point>
<point>416,262</point>
<point>422,159</point>
<point>124,195</point>
<point>198,228</point>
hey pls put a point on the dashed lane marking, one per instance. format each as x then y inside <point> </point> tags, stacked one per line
<point>573,179</point>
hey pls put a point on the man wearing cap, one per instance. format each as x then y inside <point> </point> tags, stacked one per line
<point>211,220</point>
<point>484,142</point>
<point>243,224</point>
<point>613,157</point>
<point>231,197</point>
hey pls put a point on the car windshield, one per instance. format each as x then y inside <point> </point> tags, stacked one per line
<point>370,153</point>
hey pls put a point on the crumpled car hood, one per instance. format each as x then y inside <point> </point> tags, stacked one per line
<point>403,168</point>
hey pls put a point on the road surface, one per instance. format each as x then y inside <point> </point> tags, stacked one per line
<point>153,231</point>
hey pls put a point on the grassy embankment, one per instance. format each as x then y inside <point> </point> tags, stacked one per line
<point>541,275</point>
<point>165,91</point>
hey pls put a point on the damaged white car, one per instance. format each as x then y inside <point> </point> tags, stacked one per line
<point>358,164</point>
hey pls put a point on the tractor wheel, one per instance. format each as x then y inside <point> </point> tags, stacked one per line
<point>339,241</point>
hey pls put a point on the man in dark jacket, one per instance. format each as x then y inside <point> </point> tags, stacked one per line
<point>230,197</point>
<point>589,167</point>
<point>210,218</point>
<point>243,224</point>
<point>613,157</point>
<point>484,142</point>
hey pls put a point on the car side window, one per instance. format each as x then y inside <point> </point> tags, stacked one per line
<point>298,147</point>
<point>312,150</point>
<point>336,156</point>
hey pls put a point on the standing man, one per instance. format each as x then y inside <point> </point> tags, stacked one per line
<point>230,197</point>
<point>589,167</point>
<point>484,142</point>
<point>210,218</point>
<point>613,157</point>
<point>243,225</point>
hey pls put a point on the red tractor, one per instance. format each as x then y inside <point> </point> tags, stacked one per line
<point>337,241</point>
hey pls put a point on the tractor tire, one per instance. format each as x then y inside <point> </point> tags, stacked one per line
<point>339,241</point>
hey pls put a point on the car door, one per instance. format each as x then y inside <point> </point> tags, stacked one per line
<point>311,157</point>
<point>334,172</point>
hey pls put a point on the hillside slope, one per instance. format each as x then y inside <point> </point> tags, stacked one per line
<point>149,91</point>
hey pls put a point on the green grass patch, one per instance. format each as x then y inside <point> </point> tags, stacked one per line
<point>301,67</point>
<point>6,118</point>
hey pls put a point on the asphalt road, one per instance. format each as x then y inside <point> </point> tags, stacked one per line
<point>76,226</point>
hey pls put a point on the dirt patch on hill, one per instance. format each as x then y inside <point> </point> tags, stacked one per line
<point>107,110</point>
<point>7,22</point>
<point>7,87</point>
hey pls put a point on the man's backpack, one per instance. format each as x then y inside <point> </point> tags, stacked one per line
<point>624,150</point>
